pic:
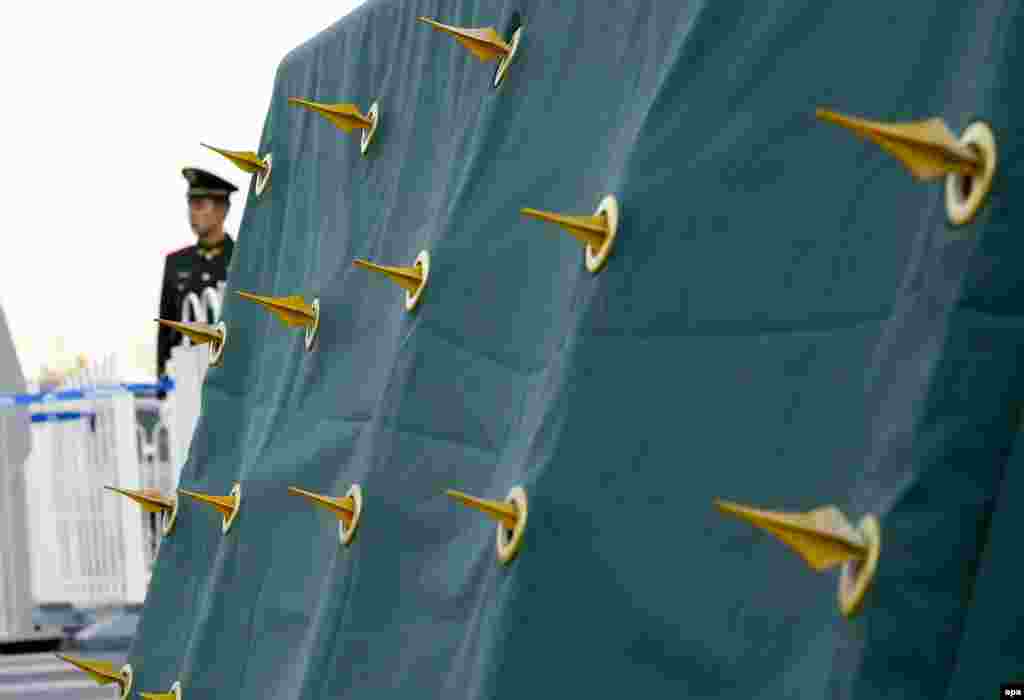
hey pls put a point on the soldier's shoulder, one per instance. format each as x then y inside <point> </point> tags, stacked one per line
<point>180,253</point>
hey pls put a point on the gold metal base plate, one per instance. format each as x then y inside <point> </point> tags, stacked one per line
<point>367,136</point>
<point>263,176</point>
<point>217,349</point>
<point>170,518</point>
<point>964,194</point>
<point>312,330</point>
<point>508,541</point>
<point>504,63</point>
<point>422,262</point>
<point>855,577</point>
<point>236,491</point>
<point>595,259</point>
<point>129,677</point>
<point>345,534</point>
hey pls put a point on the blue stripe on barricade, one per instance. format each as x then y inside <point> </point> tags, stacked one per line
<point>58,416</point>
<point>12,400</point>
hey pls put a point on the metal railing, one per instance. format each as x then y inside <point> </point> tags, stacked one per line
<point>89,546</point>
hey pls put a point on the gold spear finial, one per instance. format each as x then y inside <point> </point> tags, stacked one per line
<point>227,506</point>
<point>103,672</point>
<point>928,149</point>
<point>412,279</point>
<point>248,162</point>
<point>347,117</point>
<point>510,516</point>
<point>293,311</point>
<point>597,232</point>
<point>200,333</point>
<point>348,509</point>
<point>823,538</point>
<point>484,43</point>
<point>152,501</point>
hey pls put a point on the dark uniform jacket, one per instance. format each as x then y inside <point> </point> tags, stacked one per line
<point>190,269</point>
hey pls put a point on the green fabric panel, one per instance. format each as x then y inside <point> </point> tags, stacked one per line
<point>787,320</point>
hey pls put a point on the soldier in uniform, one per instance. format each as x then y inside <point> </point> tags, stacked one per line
<point>196,267</point>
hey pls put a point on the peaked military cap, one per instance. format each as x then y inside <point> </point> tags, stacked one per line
<point>202,183</point>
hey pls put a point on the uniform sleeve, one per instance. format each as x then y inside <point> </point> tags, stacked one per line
<point>165,336</point>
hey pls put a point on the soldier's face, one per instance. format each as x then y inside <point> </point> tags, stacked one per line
<point>205,215</point>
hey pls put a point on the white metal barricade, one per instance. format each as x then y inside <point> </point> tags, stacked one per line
<point>90,546</point>
<point>87,543</point>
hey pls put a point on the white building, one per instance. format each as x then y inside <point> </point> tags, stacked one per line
<point>15,436</point>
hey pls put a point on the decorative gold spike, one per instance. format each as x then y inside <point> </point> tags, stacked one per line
<point>589,230</point>
<point>346,117</point>
<point>152,501</point>
<point>200,333</point>
<point>103,672</point>
<point>293,311</point>
<point>412,279</point>
<point>173,694</point>
<point>348,509</point>
<point>510,515</point>
<point>506,514</point>
<point>343,508</point>
<point>249,162</point>
<point>484,43</point>
<point>227,506</point>
<point>409,278</point>
<point>928,149</point>
<point>246,161</point>
<point>597,233</point>
<point>824,538</point>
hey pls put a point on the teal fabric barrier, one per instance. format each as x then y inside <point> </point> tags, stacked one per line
<point>787,320</point>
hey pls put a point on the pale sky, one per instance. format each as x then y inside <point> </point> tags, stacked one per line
<point>103,104</point>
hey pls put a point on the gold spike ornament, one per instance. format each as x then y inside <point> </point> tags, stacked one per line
<point>348,509</point>
<point>200,333</point>
<point>484,43</point>
<point>248,162</point>
<point>510,515</point>
<point>412,279</point>
<point>173,694</point>
<point>227,506</point>
<point>824,538</point>
<point>103,672</point>
<point>596,233</point>
<point>929,150</point>
<point>346,117</point>
<point>293,311</point>
<point>152,501</point>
